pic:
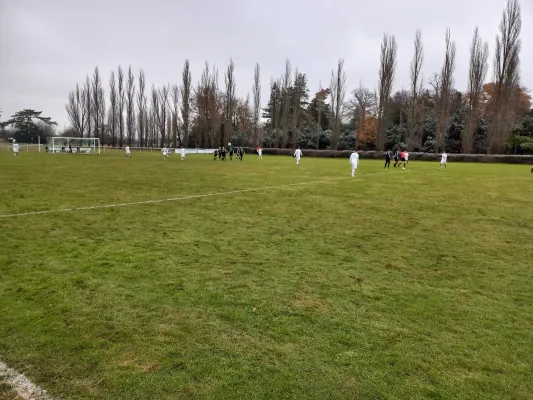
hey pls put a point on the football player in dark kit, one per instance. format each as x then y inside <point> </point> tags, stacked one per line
<point>223,154</point>
<point>231,153</point>
<point>396,158</point>
<point>387,159</point>
<point>215,154</point>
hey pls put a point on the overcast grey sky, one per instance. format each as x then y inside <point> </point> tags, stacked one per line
<point>47,46</point>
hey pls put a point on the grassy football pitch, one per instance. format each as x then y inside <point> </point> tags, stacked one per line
<point>392,285</point>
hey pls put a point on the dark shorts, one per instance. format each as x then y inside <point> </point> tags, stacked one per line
<point>403,158</point>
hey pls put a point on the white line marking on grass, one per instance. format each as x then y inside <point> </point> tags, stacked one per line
<point>20,384</point>
<point>194,196</point>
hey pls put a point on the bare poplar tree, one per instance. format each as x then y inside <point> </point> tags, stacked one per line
<point>338,92</point>
<point>155,116</point>
<point>201,108</point>
<point>295,98</point>
<point>413,119</point>
<point>214,108</point>
<point>77,110</point>
<point>256,89</point>
<point>162,115</point>
<point>444,99</point>
<point>130,106</point>
<point>174,94</point>
<point>506,76</point>
<point>88,105</point>
<point>285,102</point>
<point>169,128</point>
<point>276,110</point>
<point>229,80</point>
<point>142,110</point>
<point>186,100</point>
<point>387,71</point>
<point>113,108</point>
<point>479,52</point>
<point>121,95</point>
<point>101,112</point>
<point>95,94</point>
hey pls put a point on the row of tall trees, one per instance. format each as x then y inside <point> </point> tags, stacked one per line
<point>435,117</point>
<point>432,115</point>
<point>169,115</point>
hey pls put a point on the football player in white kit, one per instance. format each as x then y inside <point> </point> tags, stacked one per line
<point>128,152</point>
<point>15,148</point>
<point>182,153</point>
<point>260,152</point>
<point>298,154</point>
<point>354,162</point>
<point>443,160</point>
<point>165,153</point>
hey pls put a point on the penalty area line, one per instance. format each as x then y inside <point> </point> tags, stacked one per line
<point>193,196</point>
<point>21,385</point>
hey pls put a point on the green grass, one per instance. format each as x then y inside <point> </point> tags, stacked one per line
<point>393,285</point>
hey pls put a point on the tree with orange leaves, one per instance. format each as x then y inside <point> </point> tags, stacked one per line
<point>366,132</point>
<point>519,104</point>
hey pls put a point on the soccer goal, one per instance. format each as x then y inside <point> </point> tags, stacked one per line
<point>57,144</point>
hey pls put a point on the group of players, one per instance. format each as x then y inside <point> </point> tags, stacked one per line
<point>221,153</point>
<point>165,152</point>
<point>400,156</point>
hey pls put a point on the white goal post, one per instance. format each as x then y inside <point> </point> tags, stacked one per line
<point>59,144</point>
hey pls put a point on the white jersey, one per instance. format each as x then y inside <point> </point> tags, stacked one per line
<point>406,156</point>
<point>183,152</point>
<point>298,153</point>
<point>354,158</point>
<point>260,152</point>
<point>15,148</point>
<point>444,158</point>
<point>164,150</point>
<point>127,149</point>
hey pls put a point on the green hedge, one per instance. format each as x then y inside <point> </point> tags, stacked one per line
<point>487,158</point>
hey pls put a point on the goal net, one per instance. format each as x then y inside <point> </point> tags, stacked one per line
<point>73,144</point>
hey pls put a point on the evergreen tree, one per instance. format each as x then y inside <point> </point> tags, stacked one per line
<point>26,128</point>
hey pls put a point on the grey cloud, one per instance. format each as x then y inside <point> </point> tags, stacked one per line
<point>46,47</point>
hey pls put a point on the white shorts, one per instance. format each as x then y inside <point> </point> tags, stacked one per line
<point>354,165</point>
<point>443,161</point>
